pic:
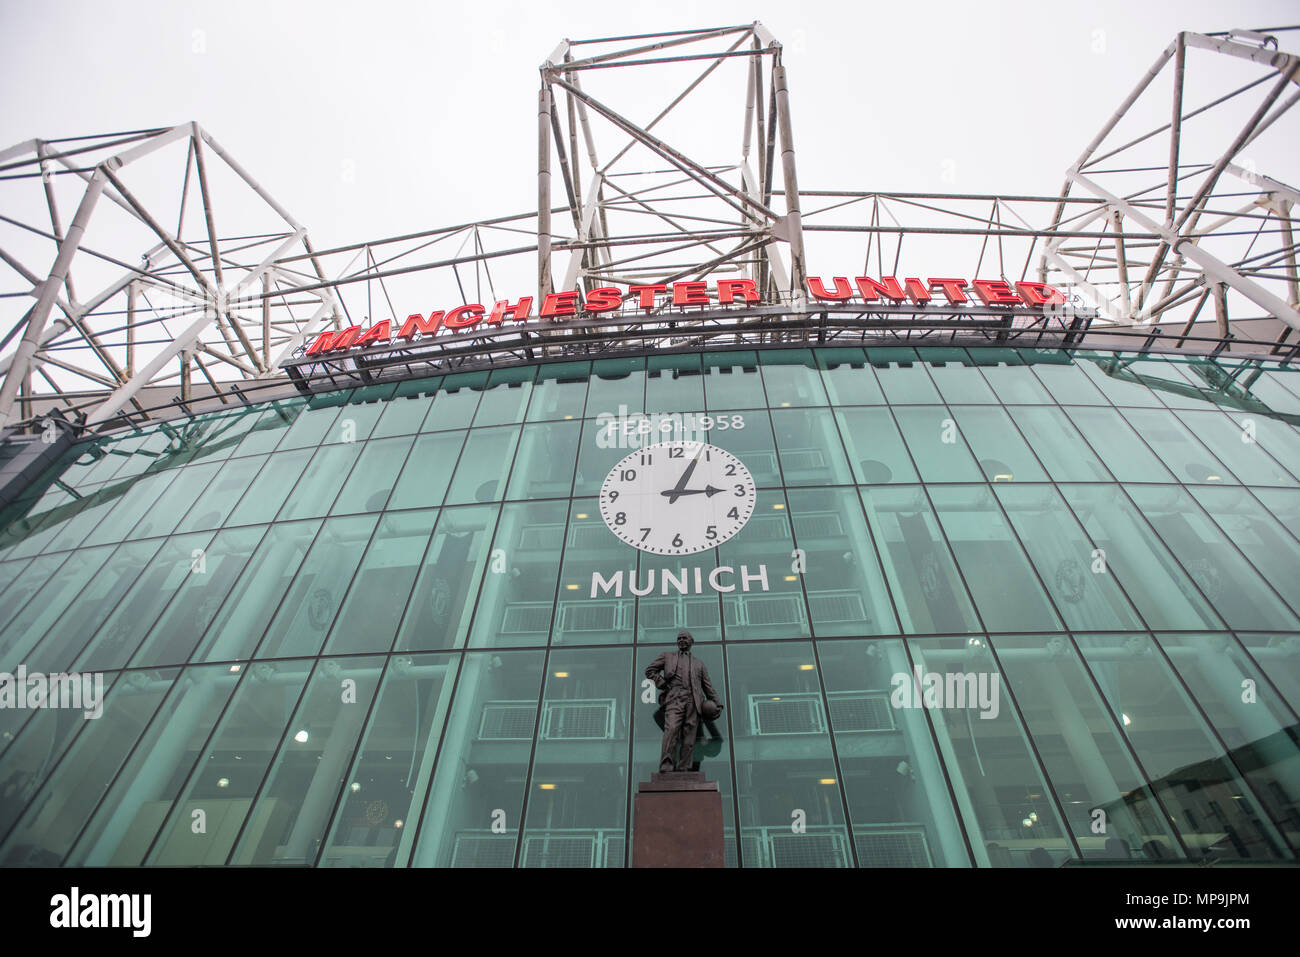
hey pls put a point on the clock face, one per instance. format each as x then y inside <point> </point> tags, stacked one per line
<point>677,498</point>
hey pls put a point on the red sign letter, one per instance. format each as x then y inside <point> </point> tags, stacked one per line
<point>603,299</point>
<point>518,312</point>
<point>995,292</point>
<point>415,323</point>
<point>462,317</point>
<point>919,294</point>
<point>648,293</point>
<point>559,304</point>
<point>887,287</point>
<point>1040,294</point>
<point>951,288</point>
<point>690,293</point>
<point>842,289</point>
<point>727,289</point>
<point>376,333</point>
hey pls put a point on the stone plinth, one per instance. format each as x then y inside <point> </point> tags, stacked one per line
<point>677,822</point>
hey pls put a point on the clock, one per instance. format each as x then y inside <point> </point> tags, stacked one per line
<point>678,497</point>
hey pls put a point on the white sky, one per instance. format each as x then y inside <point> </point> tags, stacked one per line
<point>370,119</point>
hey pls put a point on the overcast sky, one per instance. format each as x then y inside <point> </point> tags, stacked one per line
<point>369,119</point>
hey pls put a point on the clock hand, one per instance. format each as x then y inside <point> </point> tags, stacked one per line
<point>710,491</point>
<point>677,489</point>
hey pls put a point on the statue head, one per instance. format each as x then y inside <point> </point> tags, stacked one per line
<point>684,641</point>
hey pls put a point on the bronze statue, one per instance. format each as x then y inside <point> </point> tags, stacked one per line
<point>687,696</point>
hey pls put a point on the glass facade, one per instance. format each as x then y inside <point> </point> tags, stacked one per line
<point>993,607</point>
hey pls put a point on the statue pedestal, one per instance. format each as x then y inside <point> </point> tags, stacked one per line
<point>677,822</point>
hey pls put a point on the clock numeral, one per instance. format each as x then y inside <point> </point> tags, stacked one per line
<point>620,518</point>
<point>613,495</point>
<point>645,533</point>
<point>740,491</point>
<point>677,540</point>
<point>627,475</point>
<point>647,459</point>
<point>676,453</point>
<point>731,470</point>
<point>712,532</point>
<point>708,456</point>
<point>734,513</point>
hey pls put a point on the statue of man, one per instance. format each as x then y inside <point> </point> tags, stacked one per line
<point>687,696</point>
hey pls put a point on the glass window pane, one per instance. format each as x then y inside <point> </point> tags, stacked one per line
<point>243,617</point>
<point>1001,452</point>
<point>484,466</point>
<point>1114,376</point>
<point>560,392</point>
<point>409,405</point>
<point>36,577</point>
<point>616,387</point>
<point>791,378</point>
<point>1012,377</point>
<point>1275,656</point>
<point>1154,582</point>
<point>1257,730</point>
<point>231,768</point>
<point>357,419</point>
<point>381,589</point>
<point>196,602</point>
<point>1125,454</point>
<point>928,592</point>
<point>601,444</point>
<point>319,486</point>
<point>784,759</point>
<point>1001,580</point>
<point>446,591</point>
<point>505,397</point>
<point>731,381</point>
<point>96,598</point>
<point>957,378</point>
<point>189,485</point>
<point>1218,569</point>
<point>585,614</point>
<point>312,602</point>
<point>1065,559</point>
<point>211,509</point>
<point>1059,446</point>
<point>271,487</point>
<point>455,403</point>
<point>577,799</point>
<point>131,812</point>
<point>1083,752</point>
<point>428,470</point>
<point>518,596</point>
<point>903,376</point>
<point>1187,458</point>
<point>58,811</point>
<point>375,824</point>
<point>116,639</point>
<point>938,451</point>
<point>848,377</point>
<point>543,466</point>
<point>310,771</point>
<point>810,449</point>
<point>749,438</point>
<point>875,447</point>
<point>762,596</point>
<point>1261,536</point>
<point>368,487</point>
<point>673,383</point>
<point>138,499</point>
<point>473,820</point>
<point>846,589</point>
<point>1010,813</point>
<point>1204,793</point>
<point>899,805</point>
<point>313,426</point>
<point>267,432</point>
<point>1067,382</point>
<point>1253,451</point>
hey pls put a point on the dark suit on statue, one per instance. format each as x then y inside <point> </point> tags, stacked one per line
<point>685,684</point>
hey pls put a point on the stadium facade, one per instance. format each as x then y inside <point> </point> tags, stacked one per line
<point>989,580</point>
